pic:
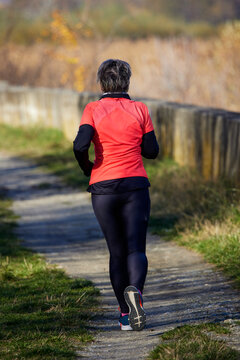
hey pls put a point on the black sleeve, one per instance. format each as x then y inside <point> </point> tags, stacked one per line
<point>80,148</point>
<point>150,147</point>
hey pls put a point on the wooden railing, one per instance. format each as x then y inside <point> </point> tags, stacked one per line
<point>207,139</point>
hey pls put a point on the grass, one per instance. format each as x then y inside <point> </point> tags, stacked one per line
<point>48,148</point>
<point>199,214</point>
<point>202,215</point>
<point>43,313</point>
<point>192,343</point>
<point>196,213</point>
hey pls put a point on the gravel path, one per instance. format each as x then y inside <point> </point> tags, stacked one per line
<point>181,288</point>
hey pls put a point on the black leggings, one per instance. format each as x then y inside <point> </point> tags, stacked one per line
<point>124,219</point>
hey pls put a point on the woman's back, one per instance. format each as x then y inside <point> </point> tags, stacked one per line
<point>119,125</point>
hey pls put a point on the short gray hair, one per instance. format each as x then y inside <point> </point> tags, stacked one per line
<point>114,75</point>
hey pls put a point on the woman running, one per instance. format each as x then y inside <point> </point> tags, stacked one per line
<point>122,132</point>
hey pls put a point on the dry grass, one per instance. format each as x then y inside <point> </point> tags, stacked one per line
<point>200,214</point>
<point>208,229</point>
<point>202,72</point>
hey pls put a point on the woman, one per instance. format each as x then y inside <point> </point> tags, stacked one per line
<point>122,132</point>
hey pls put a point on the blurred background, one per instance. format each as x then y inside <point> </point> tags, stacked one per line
<point>185,51</point>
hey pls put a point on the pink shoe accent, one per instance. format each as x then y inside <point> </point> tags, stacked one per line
<point>123,314</point>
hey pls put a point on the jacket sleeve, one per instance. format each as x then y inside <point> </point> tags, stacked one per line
<point>149,146</point>
<point>81,145</point>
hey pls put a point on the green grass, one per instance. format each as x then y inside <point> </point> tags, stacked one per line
<point>191,342</point>
<point>221,250</point>
<point>196,213</point>
<point>202,215</point>
<point>47,147</point>
<point>43,313</point>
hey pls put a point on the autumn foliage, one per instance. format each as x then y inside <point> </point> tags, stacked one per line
<point>191,70</point>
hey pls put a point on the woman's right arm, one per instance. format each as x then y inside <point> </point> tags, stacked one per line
<point>81,145</point>
<point>80,148</point>
<point>83,139</point>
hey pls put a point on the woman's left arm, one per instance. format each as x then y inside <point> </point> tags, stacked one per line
<point>149,145</point>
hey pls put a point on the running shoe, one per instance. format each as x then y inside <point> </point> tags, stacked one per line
<point>124,323</point>
<point>137,315</point>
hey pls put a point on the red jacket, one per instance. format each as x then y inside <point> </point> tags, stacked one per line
<point>119,125</point>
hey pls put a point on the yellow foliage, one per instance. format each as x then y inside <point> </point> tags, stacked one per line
<point>68,59</point>
<point>61,31</point>
<point>74,74</point>
<point>72,60</point>
<point>79,78</point>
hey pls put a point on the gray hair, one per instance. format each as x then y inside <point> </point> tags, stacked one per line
<point>114,75</point>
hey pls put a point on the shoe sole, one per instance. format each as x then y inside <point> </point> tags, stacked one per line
<point>137,316</point>
<point>125,327</point>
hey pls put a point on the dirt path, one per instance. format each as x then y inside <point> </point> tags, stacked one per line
<point>58,222</point>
